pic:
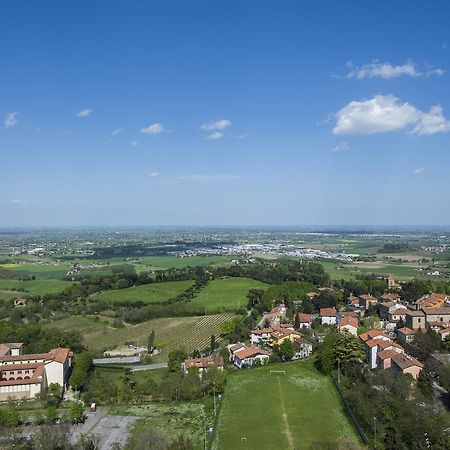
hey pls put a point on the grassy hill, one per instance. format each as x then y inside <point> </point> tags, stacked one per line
<point>226,294</point>
<point>299,410</point>
<point>147,293</point>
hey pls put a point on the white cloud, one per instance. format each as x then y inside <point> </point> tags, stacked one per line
<point>385,113</point>
<point>215,135</point>
<point>386,70</point>
<point>154,128</point>
<point>10,120</point>
<point>85,112</point>
<point>432,122</point>
<point>154,174</point>
<point>116,131</point>
<point>17,201</point>
<point>342,146</point>
<point>216,125</point>
<point>418,170</point>
<point>134,143</point>
<point>209,178</point>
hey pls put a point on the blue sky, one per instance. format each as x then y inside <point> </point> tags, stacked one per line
<point>225,112</point>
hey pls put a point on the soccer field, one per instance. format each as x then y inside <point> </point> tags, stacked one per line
<point>298,410</point>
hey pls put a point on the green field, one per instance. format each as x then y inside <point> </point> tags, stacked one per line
<point>147,293</point>
<point>34,287</point>
<point>299,410</point>
<point>168,262</point>
<point>40,271</point>
<point>188,332</point>
<point>226,294</point>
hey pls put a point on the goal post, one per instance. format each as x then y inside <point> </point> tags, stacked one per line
<point>277,372</point>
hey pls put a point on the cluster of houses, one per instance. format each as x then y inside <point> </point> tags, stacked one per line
<point>25,376</point>
<point>429,312</point>
<point>384,353</point>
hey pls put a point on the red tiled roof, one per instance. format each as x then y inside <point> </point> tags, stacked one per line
<point>370,335</point>
<point>305,318</point>
<point>406,330</point>
<point>328,312</point>
<point>386,354</point>
<point>405,361</point>
<point>203,362</point>
<point>262,331</point>
<point>368,298</point>
<point>249,352</point>
<point>353,321</point>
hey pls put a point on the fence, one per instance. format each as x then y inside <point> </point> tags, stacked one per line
<point>350,413</point>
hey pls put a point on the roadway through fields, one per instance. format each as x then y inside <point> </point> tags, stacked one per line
<point>287,430</point>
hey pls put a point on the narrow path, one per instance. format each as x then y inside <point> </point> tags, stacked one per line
<point>287,431</point>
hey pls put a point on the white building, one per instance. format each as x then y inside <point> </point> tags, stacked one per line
<point>25,376</point>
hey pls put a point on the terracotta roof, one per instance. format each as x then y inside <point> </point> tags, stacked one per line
<point>368,298</point>
<point>35,378</point>
<point>406,330</point>
<point>380,342</point>
<point>250,351</point>
<point>203,362</point>
<point>386,354</point>
<point>444,331</point>
<point>56,354</point>
<point>328,312</point>
<point>262,331</point>
<point>305,318</point>
<point>370,335</point>
<point>353,321</point>
<point>59,354</point>
<point>312,294</point>
<point>405,361</point>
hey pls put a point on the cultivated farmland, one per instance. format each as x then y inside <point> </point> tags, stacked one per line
<point>226,294</point>
<point>198,337</point>
<point>299,410</point>
<point>187,332</point>
<point>147,293</point>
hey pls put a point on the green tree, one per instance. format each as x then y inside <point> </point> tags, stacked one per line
<point>151,342</point>
<point>81,371</point>
<point>287,350</point>
<point>176,357</point>
<point>76,412</point>
<point>425,383</point>
<point>348,350</point>
<point>213,343</point>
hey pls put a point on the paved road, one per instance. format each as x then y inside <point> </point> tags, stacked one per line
<point>149,367</point>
